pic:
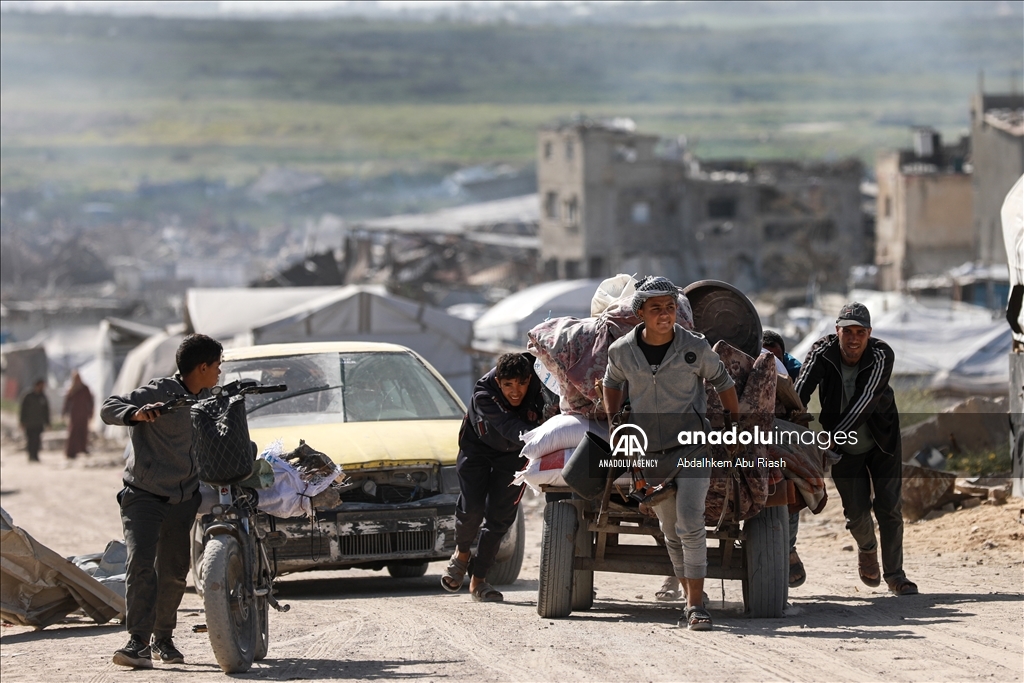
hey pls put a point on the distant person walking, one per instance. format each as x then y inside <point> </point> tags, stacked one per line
<point>34,417</point>
<point>851,370</point>
<point>78,407</point>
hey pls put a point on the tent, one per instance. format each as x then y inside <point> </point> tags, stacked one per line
<point>155,357</point>
<point>351,313</point>
<point>950,344</point>
<point>510,319</point>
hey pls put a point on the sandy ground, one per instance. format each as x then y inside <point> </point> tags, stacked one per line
<point>965,626</point>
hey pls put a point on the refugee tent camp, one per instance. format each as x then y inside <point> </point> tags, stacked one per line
<point>510,319</point>
<point>950,346</point>
<point>240,317</point>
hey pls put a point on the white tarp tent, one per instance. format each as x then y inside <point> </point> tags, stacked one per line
<point>959,347</point>
<point>353,313</point>
<point>510,319</point>
<point>224,312</point>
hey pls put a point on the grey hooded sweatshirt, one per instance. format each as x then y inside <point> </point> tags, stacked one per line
<point>672,398</point>
<point>159,456</point>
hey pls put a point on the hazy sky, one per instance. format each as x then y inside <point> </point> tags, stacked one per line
<point>263,6</point>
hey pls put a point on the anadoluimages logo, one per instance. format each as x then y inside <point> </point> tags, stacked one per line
<point>629,441</point>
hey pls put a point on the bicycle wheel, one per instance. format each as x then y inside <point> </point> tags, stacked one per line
<point>231,615</point>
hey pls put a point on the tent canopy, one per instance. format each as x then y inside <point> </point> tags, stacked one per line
<point>351,313</point>
<point>509,320</point>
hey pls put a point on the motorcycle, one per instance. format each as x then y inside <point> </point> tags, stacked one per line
<point>235,576</point>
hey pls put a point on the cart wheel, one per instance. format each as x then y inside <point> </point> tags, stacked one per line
<point>766,548</point>
<point>557,550</point>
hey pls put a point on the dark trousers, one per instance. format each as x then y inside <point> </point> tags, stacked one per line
<point>488,499</point>
<point>157,536</point>
<point>855,476</point>
<point>34,441</point>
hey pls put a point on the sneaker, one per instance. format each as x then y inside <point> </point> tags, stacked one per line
<point>136,654</point>
<point>164,650</point>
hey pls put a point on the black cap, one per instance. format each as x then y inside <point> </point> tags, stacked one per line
<point>854,314</point>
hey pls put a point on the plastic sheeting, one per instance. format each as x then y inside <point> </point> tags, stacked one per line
<point>510,319</point>
<point>960,347</point>
<point>240,317</point>
<point>39,587</point>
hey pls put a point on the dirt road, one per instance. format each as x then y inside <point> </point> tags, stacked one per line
<point>965,626</point>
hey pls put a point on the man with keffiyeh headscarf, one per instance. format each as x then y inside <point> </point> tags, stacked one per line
<point>664,366</point>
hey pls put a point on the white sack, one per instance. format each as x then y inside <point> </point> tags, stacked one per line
<point>560,432</point>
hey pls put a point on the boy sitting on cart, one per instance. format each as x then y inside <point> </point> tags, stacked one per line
<point>663,365</point>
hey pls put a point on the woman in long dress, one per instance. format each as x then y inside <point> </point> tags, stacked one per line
<point>78,407</point>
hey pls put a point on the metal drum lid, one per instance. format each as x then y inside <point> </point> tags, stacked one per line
<point>722,312</point>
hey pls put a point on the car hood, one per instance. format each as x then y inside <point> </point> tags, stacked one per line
<point>356,445</point>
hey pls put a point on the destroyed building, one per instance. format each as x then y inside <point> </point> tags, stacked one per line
<point>614,201</point>
<point>997,142</point>
<point>939,229</point>
<point>924,209</point>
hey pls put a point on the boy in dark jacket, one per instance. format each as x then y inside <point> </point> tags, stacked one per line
<point>160,499</point>
<point>851,371</point>
<point>506,401</point>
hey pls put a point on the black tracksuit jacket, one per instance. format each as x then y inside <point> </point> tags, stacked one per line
<point>873,402</point>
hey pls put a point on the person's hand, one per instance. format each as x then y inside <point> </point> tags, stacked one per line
<point>147,413</point>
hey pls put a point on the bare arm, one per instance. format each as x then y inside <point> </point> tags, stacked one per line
<point>612,401</point>
<point>731,402</point>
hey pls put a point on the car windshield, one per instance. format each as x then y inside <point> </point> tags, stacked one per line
<point>343,387</point>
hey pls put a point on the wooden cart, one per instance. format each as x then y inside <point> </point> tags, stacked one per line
<point>582,537</point>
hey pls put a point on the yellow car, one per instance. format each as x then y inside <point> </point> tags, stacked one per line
<point>392,423</point>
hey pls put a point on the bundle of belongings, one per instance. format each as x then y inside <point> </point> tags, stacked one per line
<point>575,352</point>
<point>290,484</point>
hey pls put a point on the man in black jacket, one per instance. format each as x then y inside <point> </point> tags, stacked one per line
<point>34,416</point>
<point>506,401</point>
<point>851,372</point>
<point>160,499</point>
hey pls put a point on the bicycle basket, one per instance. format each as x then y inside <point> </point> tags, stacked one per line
<point>220,440</point>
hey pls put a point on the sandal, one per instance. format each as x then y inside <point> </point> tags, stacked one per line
<point>797,573</point>
<point>696,618</point>
<point>454,574</point>
<point>670,590</point>
<point>903,586</point>
<point>867,567</point>
<point>485,592</point>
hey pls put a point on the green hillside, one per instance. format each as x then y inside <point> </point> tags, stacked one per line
<point>94,102</point>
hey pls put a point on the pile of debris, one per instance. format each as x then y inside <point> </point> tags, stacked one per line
<point>929,493</point>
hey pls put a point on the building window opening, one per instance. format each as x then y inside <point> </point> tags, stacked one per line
<point>722,207</point>
<point>888,207</point>
<point>626,153</point>
<point>551,205</point>
<point>572,211</point>
<point>641,213</point>
<point>548,149</point>
<point>570,150</point>
<point>572,269</point>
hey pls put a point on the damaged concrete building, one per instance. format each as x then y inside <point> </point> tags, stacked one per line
<point>613,200</point>
<point>924,209</point>
<point>939,229</point>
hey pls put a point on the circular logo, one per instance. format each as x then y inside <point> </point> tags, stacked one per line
<point>690,357</point>
<point>629,440</point>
